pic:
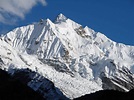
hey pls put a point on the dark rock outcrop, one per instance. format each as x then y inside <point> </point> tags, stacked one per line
<point>108,95</point>
<point>12,89</point>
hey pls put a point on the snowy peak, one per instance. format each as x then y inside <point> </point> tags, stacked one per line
<point>49,23</point>
<point>61,18</point>
<point>63,21</point>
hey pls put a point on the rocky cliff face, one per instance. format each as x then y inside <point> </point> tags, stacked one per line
<point>75,59</point>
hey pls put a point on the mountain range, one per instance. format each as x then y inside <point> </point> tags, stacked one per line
<point>64,60</point>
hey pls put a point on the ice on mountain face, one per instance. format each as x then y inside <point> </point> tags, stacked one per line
<point>77,60</point>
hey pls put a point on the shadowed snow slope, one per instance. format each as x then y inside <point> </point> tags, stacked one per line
<point>77,60</point>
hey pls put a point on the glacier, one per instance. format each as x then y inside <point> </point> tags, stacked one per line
<point>76,59</point>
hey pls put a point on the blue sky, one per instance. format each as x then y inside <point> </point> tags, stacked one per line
<point>114,18</point>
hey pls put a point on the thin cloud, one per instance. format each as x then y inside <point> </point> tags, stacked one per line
<point>13,9</point>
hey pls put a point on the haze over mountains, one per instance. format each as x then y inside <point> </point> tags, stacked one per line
<point>63,60</point>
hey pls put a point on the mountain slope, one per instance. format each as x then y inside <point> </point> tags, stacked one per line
<point>77,60</point>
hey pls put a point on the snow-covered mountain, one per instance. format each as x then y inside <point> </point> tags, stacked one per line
<point>76,59</point>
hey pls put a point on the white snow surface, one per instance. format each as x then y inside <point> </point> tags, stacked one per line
<point>71,56</point>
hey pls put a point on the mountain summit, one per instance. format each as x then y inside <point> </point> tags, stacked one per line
<point>61,17</point>
<point>62,59</point>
